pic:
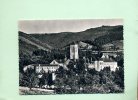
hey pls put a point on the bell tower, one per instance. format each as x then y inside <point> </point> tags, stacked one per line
<point>74,52</point>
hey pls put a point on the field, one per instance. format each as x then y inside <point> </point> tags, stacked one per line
<point>34,91</point>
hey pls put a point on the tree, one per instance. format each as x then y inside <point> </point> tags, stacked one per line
<point>43,80</point>
<point>30,78</point>
<point>80,66</point>
<point>119,77</point>
<point>33,80</point>
<point>21,80</point>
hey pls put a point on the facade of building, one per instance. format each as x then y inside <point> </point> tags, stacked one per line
<point>100,65</point>
<point>45,68</point>
<point>74,52</point>
<point>104,62</point>
<point>52,67</point>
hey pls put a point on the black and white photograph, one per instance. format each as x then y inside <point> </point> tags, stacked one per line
<point>80,56</point>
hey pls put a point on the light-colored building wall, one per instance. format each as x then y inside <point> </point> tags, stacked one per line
<point>74,52</point>
<point>46,68</point>
<point>99,65</point>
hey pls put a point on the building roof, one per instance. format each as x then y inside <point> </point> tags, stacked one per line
<point>54,62</point>
<point>107,59</point>
<point>67,61</point>
<point>108,45</point>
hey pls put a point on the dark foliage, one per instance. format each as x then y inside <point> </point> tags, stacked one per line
<point>80,80</point>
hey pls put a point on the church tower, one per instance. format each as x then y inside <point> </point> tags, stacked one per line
<point>74,52</point>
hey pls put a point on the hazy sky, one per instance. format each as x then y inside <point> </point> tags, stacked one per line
<point>55,26</point>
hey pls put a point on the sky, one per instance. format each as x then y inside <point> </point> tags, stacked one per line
<point>56,26</point>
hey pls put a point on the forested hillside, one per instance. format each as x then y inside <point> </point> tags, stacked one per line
<point>94,36</point>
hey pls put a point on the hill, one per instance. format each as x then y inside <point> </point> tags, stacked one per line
<point>99,36</point>
<point>93,36</point>
<point>27,44</point>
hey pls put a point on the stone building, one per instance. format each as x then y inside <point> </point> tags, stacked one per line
<point>74,52</point>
